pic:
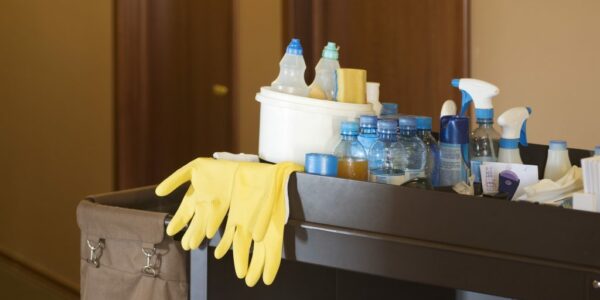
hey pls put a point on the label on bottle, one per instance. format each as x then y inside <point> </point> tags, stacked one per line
<point>452,167</point>
<point>387,179</point>
<point>476,163</point>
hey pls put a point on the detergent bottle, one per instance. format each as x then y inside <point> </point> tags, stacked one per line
<point>484,139</point>
<point>291,71</point>
<point>352,158</point>
<point>514,132</point>
<point>558,162</point>
<point>454,150</point>
<point>323,87</point>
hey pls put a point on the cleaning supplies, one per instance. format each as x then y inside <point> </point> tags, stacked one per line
<point>368,131</point>
<point>323,87</point>
<point>484,139</point>
<point>432,165</point>
<point>321,164</point>
<point>514,132</point>
<point>291,71</point>
<point>547,190</point>
<point>415,153</point>
<point>448,108</point>
<point>508,183</point>
<point>454,150</point>
<point>385,156</point>
<point>351,86</point>
<point>352,157</point>
<point>205,203</point>
<point>373,96</point>
<point>476,90</point>
<point>557,163</point>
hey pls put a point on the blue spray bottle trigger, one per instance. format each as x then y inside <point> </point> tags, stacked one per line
<point>466,100</point>
<point>523,135</point>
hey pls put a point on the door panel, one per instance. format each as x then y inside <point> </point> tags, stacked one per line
<point>412,47</point>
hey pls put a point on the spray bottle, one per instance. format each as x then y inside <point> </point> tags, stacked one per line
<point>454,150</point>
<point>484,139</point>
<point>514,132</point>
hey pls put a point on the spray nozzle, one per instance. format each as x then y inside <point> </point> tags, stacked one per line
<point>523,135</point>
<point>477,91</point>
<point>514,126</point>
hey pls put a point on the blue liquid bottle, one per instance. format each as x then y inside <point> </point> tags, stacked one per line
<point>432,164</point>
<point>368,131</point>
<point>386,164</point>
<point>414,152</point>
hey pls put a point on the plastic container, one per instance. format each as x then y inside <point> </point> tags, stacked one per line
<point>291,71</point>
<point>352,157</point>
<point>386,159</point>
<point>558,163</point>
<point>291,126</point>
<point>432,165</point>
<point>368,131</point>
<point>323,86</point>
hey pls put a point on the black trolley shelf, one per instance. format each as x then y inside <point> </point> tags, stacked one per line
<point>511,249</point>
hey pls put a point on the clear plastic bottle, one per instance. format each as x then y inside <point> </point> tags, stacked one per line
<point>389,110</point>
<point>291,71</point>
<point>483,144</point>
<point>415,153</point>
<point>386,159</point>
<point>558,162</point>
<point>597,150</point>
<point>432,164</point>
<point>323,87</point>
<point>352,157</point>
<point>368,132</point>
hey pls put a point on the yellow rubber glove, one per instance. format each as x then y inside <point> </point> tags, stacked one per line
<point>206,201</point>
<point>251,205</point>
<point>266,256</point>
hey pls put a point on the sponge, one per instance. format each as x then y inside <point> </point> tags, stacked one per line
<point>351,86</point>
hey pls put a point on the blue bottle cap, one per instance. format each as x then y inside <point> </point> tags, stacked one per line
<point>294,47</point>
<point>454,130</point>
<point>558,145</point>
<point>389,108</point>
<point>368,121</point>
<point>349,128</point>
<point>484,113</point>
<point>321,164</point>
<point>407,122</point>
<point>331,51</point>
<point>387,125</point>
<point>423,123</point>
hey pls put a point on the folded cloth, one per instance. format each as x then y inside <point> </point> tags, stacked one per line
<point>547,190</point>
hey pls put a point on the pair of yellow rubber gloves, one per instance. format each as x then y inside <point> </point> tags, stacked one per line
<point>252,192</point>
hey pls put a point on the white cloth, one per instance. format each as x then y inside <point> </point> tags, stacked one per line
<point>547,190</point>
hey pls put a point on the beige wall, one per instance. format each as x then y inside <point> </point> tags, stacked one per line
<point>55,126</point>
<point>257,51</point>
<point>545,54</point>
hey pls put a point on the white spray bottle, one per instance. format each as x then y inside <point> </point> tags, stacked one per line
<point>483,140</point>
<point>448,108</point>
<point>514,132</point>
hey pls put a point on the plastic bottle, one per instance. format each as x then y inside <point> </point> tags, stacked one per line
<point>389,110</point>
<point>291,71</point>
<point>432,164</point>
<point>484,142</point>
<point>514,132</point>
<point>368,132</point>
<point>448,108</point>
<point>557,163</point>
<point>415,153</point>
<point>373,96</point>
<point>386,164</point>
<point>597,151</point>
<point>454,150</point>
<point>323,86</point>
<point>352,157</point>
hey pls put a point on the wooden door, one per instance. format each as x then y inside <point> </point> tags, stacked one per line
<point>412,47</point>
<point>173,75</point>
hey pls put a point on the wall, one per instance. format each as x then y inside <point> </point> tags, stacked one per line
<point>55,126</point>
<point>544,54</point>
<point>258,47</point>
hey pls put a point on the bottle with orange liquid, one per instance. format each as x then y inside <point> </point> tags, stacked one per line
<point>352,157</point>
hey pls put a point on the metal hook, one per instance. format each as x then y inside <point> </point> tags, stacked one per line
<point>149,268</point>
<point>94,257</point>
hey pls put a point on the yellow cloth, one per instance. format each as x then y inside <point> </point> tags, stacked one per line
<point>266,256</point>
<point>351,86</point>
<point>206,201</point>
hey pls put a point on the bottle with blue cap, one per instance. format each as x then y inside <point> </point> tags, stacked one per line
<point>484,139</point>
<point>389,110</point>
<point>291,71</point>
<point>454,150</point>
<point>352,157</point>
<point>368,131</point>
<point>558,162</point>
<point>432,161</point>
<point>323,87</point>
<point>386,164</point>
<point>514,132</point>
<point>415,153</point>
